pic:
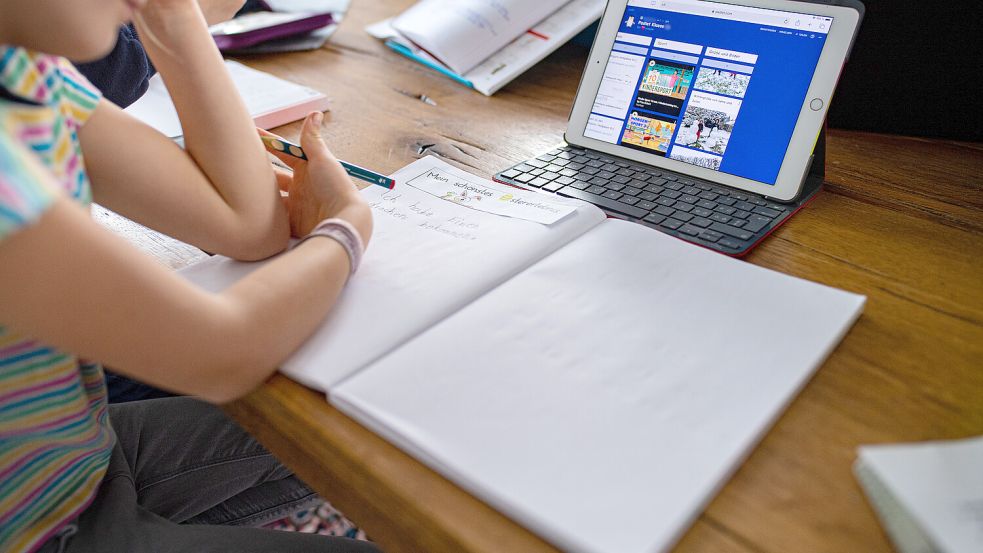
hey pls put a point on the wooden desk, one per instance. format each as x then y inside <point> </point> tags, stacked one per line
<point>901,220</point>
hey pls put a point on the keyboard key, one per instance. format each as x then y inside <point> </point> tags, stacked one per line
<point>561,162</point>
<point>654,172</point>
<point>732,244</point>
<point>757,201</point>
<point>581,159</point>
<point>536,172</point>
<point>552,187</point>
<point>725,209</point>
<point>524,178</point>
<point>575,166</point>
<point>657,180</point>
<point>737,223</point>
<point>597,189</point>
<point>708,196</point>
<point>690,230</point>
<point>726,201</point>
<point>610,167</point>
<point>590,170</point>
<point>565,155</point>
<point>579,184</point>
<point>700,212</point>
<point>739,214</point>
<point>703,186</point>
<point>537,163</point>
<point>598,181</point>
<point>778,207</point>
<point>606,203</point>
<point>614,186</point>
<point>665,201</point>
<point>621,179</point>
<point>731,231</point>
<point>654,188</point>
<point>706,204</point>
<point>524,167</point>
<point>766,212</point>
<point>720,218</point>
<point>546,157</point>
<point>626,172</point>
<point>746,206</point>
<point>511,173</point>
<point>664,211</point>
<point>564,180</point>
<point>671,194</point>
<point>682,216</point>
<point>654,218</point>
<point>670,177</point>
<point>683,207</point>
<point>553,168</point>
<point>604,174</point>
<point>647,196</point>
<point>674,186</point>
<point>671,224</point>
<point>629,191</point>
<point>647,206</point>
<point>568,173</point>
<point>630,200</point>
<point>687,182</point>
<point>549,176</point>
<point>710,236</point>
<point>691,190</point>
<point>720,192</point>
<point>638,183</point>
<point>538,182</point>
<point>688,199</point>
<point>700,222</point>
<point>739,197</point>
<point>756,223</point>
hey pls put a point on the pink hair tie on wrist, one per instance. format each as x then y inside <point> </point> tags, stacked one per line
<point>344,233</point>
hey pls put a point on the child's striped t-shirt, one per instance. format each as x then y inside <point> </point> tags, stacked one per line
<point>55,438</point>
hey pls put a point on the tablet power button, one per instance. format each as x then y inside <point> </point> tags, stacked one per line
<point>816,104</point>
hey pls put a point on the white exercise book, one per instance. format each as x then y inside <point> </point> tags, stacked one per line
<point>579,376</point>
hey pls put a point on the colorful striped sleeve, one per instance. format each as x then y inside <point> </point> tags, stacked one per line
<point>79,96</point>
<point>25,189</point>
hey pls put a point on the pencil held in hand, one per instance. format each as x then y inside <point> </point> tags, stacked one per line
<point>279,144</point>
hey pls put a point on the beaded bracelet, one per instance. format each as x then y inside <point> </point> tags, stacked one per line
<point>344,233</point>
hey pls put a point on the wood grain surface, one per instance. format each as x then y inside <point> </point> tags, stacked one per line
<point>900,220</point>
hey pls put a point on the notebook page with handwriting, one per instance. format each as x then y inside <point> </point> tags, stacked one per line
<point>602,396</point>
<point>442,238</point>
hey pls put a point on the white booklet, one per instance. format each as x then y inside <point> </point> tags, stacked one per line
<point>929,496</point>
<point>582,375</point>
<point>271,101</point>
<point>485,44</point>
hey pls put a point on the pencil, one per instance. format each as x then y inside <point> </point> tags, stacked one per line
<point>353,170</point>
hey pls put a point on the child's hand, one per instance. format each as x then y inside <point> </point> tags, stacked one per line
<point>319,188</point>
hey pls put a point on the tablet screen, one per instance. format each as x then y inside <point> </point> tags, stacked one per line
<point>710,84</point>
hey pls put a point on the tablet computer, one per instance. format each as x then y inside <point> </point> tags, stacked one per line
<point>732,92</point>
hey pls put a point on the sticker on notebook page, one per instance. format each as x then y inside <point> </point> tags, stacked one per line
<point>452,185</point>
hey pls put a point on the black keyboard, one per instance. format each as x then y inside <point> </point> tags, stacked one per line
<point>720,218</point>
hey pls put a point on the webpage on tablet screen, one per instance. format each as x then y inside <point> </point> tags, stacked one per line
<point>710,84</point>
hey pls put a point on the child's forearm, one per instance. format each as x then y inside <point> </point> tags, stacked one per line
<point>218,130</point>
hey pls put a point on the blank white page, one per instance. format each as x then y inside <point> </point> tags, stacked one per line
<point>601,397</point>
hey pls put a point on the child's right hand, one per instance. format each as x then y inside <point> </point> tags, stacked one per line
<point>319,188</point>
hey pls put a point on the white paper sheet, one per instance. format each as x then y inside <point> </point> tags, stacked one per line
<point>271,101</point>
<point>463,33</point>
<point>929,495</point>
<point>457,186</point>
<point>427,258</point>
<point>601,397</point>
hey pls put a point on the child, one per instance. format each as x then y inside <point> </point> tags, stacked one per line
<point>75,475</point>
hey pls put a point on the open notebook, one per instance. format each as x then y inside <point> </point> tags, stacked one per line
<point>593,379</point>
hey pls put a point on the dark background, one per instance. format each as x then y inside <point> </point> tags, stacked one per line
<point>916,69</point>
